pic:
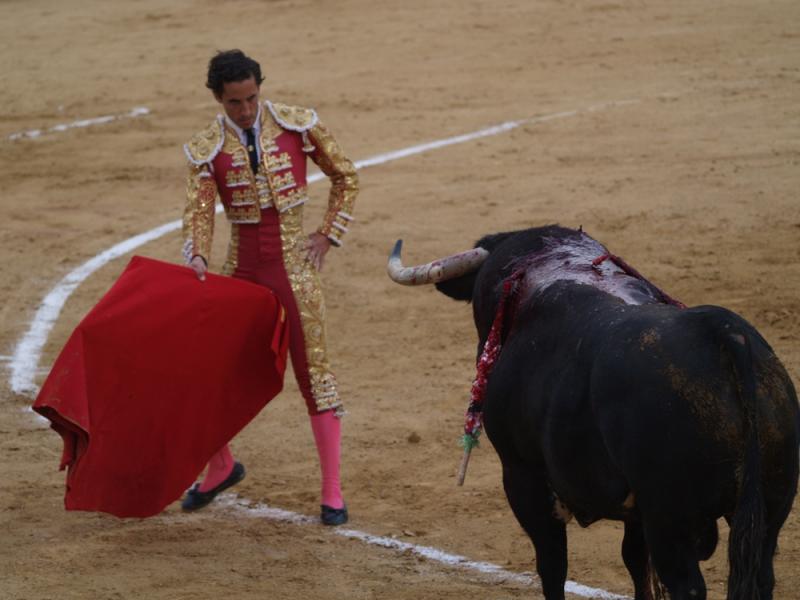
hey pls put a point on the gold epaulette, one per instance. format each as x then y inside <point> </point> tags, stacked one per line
<point>204,146</point>
<point>293,118</point>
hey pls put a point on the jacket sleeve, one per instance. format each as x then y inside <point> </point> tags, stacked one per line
<point>344,183</point>
<point>198,214</point>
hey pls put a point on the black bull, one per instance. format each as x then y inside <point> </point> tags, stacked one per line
<point>607,402</point>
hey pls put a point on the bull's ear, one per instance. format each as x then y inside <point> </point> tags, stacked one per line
<point>459,288</point>
<point>492,241</point>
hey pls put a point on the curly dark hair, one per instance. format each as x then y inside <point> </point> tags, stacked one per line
<point>228,66</point>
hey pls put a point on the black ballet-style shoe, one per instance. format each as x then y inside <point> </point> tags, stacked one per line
<point>195,499</point>
<point>333,516</point>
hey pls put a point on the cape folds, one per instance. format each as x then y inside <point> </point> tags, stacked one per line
<point>159,375</point>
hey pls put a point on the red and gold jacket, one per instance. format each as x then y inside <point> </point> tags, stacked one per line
<point>219,165</point>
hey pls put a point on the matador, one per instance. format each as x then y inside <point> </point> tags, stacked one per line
<point>253,157</point>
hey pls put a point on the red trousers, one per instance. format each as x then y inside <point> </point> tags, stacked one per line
<point>260,261</point>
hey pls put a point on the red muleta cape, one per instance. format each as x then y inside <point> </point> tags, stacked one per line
<point>163,372</point>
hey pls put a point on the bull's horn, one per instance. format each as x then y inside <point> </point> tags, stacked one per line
<point>441,269</point>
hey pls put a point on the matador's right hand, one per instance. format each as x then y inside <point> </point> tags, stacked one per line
<point>199,267</point>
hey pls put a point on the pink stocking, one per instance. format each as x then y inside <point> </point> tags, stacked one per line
<point>327,430</point>
<point>219,467</point>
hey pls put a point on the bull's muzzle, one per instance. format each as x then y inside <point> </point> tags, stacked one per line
<point>441,269</point>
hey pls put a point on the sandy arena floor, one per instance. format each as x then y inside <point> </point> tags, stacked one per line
<point>680,149</point>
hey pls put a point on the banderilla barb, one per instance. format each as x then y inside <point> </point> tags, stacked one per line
<point>469,441</point>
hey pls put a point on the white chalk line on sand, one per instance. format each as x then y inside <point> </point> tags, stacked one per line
<point>232,503</point>
<point>138,111</point>
<point>25,360</point>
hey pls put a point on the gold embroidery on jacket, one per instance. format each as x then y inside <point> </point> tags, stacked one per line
<point>198,214</point>
<point>282,182</point>
<point>205,145</point>
<point>344,183</point>
<point>237,178</point>
<point>244,197</point>
<point>295,197</point>
<point>264,192</point>
<point>279,162</point>
<point>244,207</point>
<point>269,131</point>
<point>243,214</point>
<point>232,262</point>
<point>293,118</point>
<point>307,291</point>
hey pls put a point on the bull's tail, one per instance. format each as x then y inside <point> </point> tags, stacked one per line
<point>748,526</point>
<point>654,589</point>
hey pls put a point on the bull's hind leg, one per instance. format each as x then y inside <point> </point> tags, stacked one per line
<point>779,499</point>
<point>636,557</point>
<point>530,499</point>
<point>766,572</point>
<point>673,549</point>
<point>777,517</point>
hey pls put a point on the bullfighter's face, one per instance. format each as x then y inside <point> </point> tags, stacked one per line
<point>239,99</point>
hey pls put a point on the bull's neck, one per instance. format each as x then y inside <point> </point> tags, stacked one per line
<point>571,259</point>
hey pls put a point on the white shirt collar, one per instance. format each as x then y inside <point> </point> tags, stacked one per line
<point>240,132</point>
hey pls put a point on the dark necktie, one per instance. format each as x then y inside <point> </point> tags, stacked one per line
<point>251,149</point>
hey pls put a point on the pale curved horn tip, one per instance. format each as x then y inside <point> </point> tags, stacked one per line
<point>398,245</point>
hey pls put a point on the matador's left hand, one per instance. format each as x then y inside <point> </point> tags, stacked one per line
<point>317,246</point>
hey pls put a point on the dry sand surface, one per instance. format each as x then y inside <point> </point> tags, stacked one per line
<point>695,181</point>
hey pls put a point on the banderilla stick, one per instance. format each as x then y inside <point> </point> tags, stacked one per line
<point>462,469</point>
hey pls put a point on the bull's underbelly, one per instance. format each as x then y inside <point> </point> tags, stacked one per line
<point>605,440</point>
<point>592,492</point>
<point>589,484</point>
<point>584,482</point>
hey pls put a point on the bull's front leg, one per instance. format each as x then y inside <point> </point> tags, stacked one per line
<point>530,499</point>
